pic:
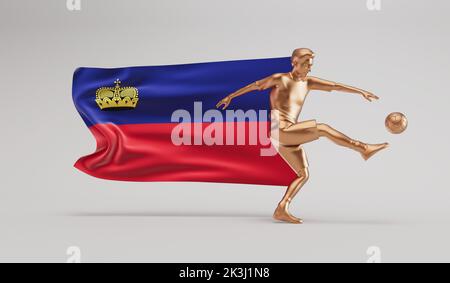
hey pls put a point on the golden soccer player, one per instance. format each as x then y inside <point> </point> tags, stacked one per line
<point>287,96</point>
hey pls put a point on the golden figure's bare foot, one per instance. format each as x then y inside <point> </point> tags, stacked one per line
<point>372,149</point>
<point>282,214</point>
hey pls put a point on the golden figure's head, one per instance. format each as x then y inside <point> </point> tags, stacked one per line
<point>302,61</point>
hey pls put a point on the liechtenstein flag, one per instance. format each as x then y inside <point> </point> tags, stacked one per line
<point>160,123</point>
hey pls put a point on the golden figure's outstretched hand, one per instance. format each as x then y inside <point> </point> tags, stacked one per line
<point>224,102</point>
<point>369,96</point>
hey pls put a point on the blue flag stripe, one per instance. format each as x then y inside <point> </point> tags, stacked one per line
<point>165,89</point>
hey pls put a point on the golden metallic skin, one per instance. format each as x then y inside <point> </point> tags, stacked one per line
<point>117,97</point>
<point>287,96</point>
<point>396,123</point>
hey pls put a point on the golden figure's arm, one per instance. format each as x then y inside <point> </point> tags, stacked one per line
<point>260,85</point>
<point>320,84</point>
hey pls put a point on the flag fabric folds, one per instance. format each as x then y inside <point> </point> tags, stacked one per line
<point>137,143</point>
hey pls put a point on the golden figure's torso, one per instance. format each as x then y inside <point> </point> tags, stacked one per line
<point>288,97</point>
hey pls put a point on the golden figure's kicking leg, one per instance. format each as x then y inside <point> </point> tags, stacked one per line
<point>366,150</point>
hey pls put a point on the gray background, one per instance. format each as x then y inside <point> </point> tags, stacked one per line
<point>398,201</point>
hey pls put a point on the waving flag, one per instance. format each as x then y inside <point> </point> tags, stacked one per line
<point>150,123</point>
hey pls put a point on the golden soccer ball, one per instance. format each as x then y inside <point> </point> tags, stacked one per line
<point>396,123</point>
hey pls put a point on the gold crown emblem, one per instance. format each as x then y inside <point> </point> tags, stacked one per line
<point>117,97</point>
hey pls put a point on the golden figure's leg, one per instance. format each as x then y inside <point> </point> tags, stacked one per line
<point>366,150</point>
<point>295,156</point>
<point>291,138</point>
<point>282,212</point>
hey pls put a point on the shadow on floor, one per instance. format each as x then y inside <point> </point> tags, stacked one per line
<point>260,216</point>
